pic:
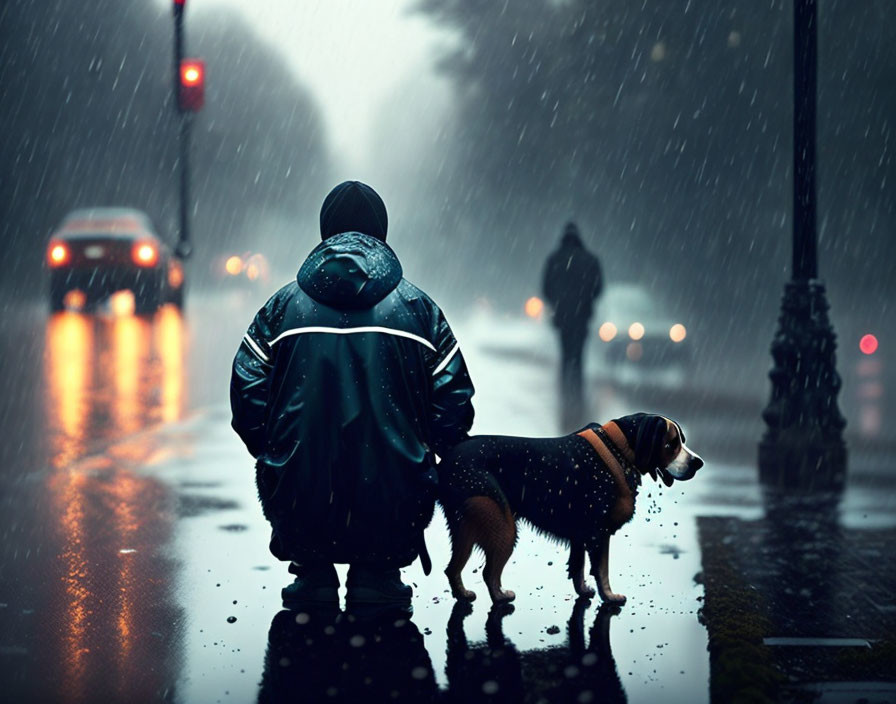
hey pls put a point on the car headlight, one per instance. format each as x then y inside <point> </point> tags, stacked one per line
<point>607,331</point>
<point>677,332</point>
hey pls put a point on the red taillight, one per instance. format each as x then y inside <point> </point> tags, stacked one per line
<point>57,254</point>
<point>145,254</point>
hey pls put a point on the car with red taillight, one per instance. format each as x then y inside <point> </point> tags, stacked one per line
<point>96,252</point>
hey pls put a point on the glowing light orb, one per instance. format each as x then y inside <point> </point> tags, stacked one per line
<point>233,265</point>
<point>534,307</point>
<point>677,332</point>
<point>607,331</point>
<point>868,344</point>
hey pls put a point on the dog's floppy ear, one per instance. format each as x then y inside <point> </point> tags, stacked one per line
<point>680,431</point>
<point>649,441</point>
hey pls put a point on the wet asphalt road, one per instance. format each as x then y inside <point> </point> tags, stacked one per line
<point>134,563</point>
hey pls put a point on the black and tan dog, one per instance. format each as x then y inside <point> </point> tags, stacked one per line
<point>579,489</point>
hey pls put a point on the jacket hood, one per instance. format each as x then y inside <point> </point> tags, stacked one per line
<point>351,271</point>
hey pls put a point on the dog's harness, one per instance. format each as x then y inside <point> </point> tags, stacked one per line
<point>610,444</point>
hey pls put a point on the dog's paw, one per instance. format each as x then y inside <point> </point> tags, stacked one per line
<point>613,598</point>
<point>464,595</point>
<point>502,596</point>
<point>583,590</point>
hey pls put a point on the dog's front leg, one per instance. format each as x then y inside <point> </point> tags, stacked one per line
<point>600,568</point>
<point>576,569</point>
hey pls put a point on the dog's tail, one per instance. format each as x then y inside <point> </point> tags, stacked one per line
<point>425,561</point>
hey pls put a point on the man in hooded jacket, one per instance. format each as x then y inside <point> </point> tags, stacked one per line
<point>346,385</point>
<point>571,282</point>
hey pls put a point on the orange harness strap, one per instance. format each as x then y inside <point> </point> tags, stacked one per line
<point>618,438</point>
<point>611,462</point>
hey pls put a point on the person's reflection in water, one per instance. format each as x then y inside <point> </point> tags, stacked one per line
<point>365,655</point>
<point>498,672</point>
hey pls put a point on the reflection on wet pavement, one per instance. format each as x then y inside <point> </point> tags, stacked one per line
<point>580,670</point>
<point>372,656</point>
<point>86,582</point>
<point>110,377</point>
<point>800,605</point>
<point>379,655</point>
<point>135,561</point>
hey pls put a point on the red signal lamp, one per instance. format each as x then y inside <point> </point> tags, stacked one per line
<point>868,344</point>
<point>191,96</point>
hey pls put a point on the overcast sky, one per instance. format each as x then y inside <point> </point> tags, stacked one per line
<point>351,54</point>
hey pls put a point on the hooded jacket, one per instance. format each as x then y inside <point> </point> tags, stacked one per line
<point>571,281</point>
<point>346,384</point>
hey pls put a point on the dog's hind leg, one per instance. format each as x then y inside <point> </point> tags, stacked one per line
<point>463,536</point>
<point>497,538</point>
<point>576,569</point>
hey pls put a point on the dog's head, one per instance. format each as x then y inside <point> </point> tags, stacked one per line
<point>658,447</point>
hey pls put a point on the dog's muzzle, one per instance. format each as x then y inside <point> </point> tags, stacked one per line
<point>682,468</point>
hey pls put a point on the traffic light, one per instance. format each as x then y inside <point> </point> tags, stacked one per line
<point>191,96</point>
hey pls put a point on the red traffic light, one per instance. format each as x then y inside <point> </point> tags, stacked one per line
<point>868,344</point>
<point>191,96</point>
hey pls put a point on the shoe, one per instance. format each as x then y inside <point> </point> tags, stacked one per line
<point>376,587</point>
<point>314,585</point>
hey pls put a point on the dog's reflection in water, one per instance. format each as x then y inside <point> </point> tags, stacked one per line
<point>363,656</point>
<point>496,671</point>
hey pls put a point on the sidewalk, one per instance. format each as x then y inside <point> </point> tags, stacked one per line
<point>798,608</point>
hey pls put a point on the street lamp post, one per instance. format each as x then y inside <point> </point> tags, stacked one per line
<point>803,444</point>
<point>184,247</point>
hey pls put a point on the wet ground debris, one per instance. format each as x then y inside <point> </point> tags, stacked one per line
<point>804,578</point>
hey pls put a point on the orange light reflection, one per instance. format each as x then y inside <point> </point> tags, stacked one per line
<point>107,379</point>
<point>170,345</point>
<point>68,355</point>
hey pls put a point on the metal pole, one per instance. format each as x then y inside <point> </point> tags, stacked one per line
<point>803,447</point>
<point>805,70</point>
<point>184,248</point>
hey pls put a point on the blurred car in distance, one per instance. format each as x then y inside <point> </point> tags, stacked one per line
<point>246,269</point>
<point>98,252</point>
<point>636,330</point>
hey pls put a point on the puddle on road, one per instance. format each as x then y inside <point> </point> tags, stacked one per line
<point>657,647</point>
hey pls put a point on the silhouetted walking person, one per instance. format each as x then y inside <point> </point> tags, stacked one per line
<point>572,281</point>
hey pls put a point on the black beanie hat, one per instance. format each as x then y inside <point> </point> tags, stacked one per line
<point>353,206</point>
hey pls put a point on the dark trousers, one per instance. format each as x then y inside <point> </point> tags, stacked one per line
<point>572,382</point>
